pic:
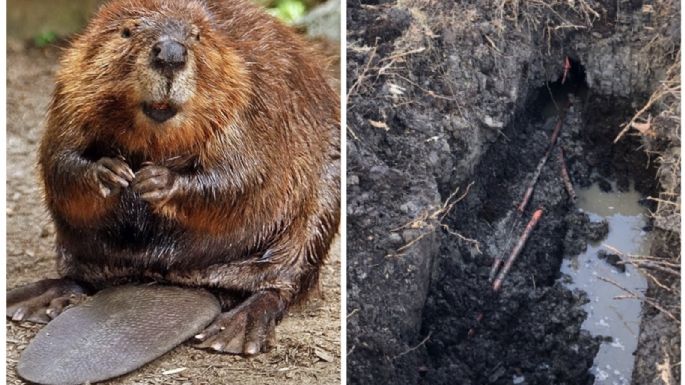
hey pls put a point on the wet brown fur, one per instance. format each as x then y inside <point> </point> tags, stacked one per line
<point>256,153</point>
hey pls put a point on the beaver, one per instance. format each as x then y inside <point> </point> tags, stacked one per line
<point>194,144</point>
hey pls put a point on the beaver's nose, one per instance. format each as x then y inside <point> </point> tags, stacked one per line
<point>169,55</point>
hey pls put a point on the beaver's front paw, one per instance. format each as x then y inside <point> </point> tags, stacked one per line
<point>155,184</point>
<point>111,175</point>
<point>44,300</point>
<point>248,329</point>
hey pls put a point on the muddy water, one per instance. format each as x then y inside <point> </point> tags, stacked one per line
<point>607,316</point>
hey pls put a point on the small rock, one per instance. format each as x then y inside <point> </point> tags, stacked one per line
<point>409,208</point>
<point>395,238</point>
<point>490,122</point>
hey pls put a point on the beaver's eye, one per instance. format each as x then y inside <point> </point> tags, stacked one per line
<point>126,32</point>
<point>195,33</point>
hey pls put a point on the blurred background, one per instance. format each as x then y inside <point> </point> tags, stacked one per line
<point>42,22</point>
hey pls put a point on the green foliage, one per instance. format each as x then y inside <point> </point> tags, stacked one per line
<point>44,39</point>
<point>288,10</point>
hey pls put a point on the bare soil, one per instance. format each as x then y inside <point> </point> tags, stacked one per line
<point>308,349</point>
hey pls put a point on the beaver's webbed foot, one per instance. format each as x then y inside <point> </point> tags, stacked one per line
<point>44,300</point>
<point>250,328</point>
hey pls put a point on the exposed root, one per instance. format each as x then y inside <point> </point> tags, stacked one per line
<point>632,295</point>
<point>415,347</point>
<point>568,184</point>
<point>541,164</point>
<point>362,77</point>
<point>669,87</point>
<point>497,284</point>
<point>533,14</point>
<point>645,264</point>
<point>429,221</point>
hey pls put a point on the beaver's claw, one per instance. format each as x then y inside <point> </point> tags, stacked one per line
<point>112,175</point>
<point>248,329</point>
<point>44,300</point>
<point>155,184</point>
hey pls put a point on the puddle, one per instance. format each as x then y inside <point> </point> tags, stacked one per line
<point>616,318</point>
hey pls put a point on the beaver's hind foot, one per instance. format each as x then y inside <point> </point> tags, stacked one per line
<point>44,300</point>
<point>248,329</point>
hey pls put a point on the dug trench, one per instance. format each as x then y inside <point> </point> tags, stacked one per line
<point>447,95</point>
<point>530,331</point>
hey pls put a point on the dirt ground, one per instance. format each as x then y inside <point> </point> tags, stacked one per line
<point>445,128</point>
<point>308,349</point>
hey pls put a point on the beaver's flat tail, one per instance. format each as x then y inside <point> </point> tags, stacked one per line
<point>115,332</point>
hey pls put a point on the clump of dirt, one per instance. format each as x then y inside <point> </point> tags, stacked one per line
<point>448,116</point>
<point>581,230</point>
<point>613,259</point>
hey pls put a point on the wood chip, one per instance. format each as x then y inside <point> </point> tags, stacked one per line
<point>324,355</point>
<point>173,371</point>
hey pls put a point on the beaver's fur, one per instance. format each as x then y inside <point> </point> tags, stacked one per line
<point>239,191</point>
